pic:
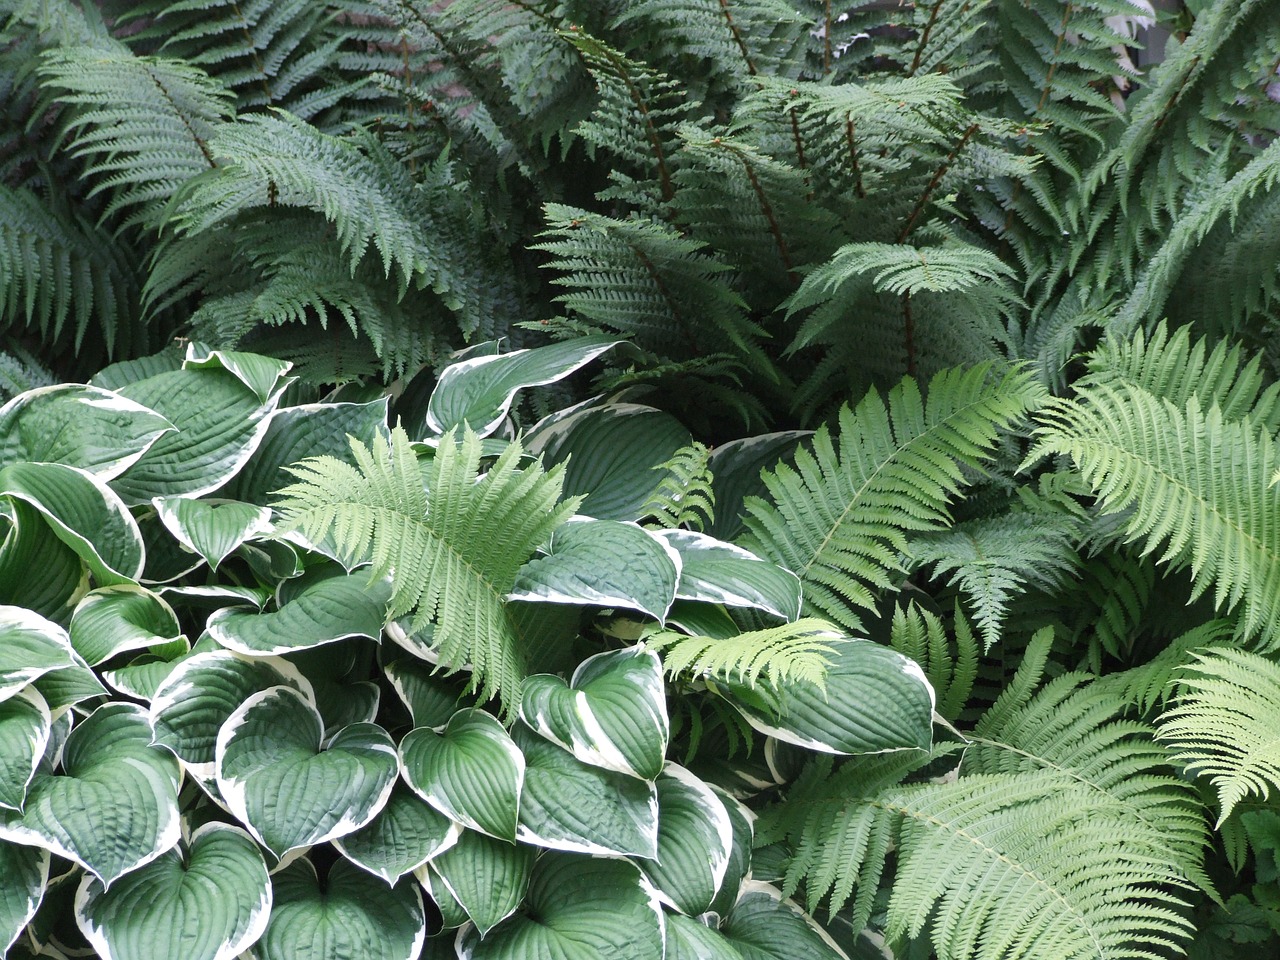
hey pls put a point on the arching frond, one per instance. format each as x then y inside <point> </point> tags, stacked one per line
<point>684,497</point>
<point>950,664</point>
<point>1149,686</point>
<point>795,651</point>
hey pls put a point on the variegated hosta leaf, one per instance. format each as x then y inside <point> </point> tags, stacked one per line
<point>405,834</point>
<point>115,806</point>
<point>764,926</point>
<point>30,646</point>
<point>288,786</point>
<point>262,375</point>
<point>874,699</point>
<point>84,513</point>
<point>431,698</point>
<point>111,620</point>
<point>37,570</point>
<point>487,877</point>
<point>195,700</point>
<point>717,572</point>
<point>68,686</point>
<point>569,805</point>
<point>695,841</point>
<point>353,917</point>
<point>613,714</point>
<point>742,822</point>
<point>322,610</point>
<point>141,677</point>
<point>472,772</point>
<point>209,902</point>
<point>605,563</point>
<point>80,426</point>
<point>452,914</point>
<point>577,908</point>
<point>23,873</point>
<point>211,528</point>
<point>25,724</point>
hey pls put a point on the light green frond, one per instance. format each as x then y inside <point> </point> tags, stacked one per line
<point>684,497</point>
<point>792,652</point>
<point>839,518</point>
<point>1224,721</point>
<point>1150,685</point>
<point>951,665</point>
<point>450,538</point>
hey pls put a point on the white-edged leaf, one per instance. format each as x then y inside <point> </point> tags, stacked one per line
<point>209,901</point>
<point>452,914</point>
<point>354,917</point>
<point>68,686</point>
<point>569,805</point>
<point>742,821</point>
<point>405,834</point>
<point>478,391</point>
<point>25,724</point>
<point>23,874</point>
<point>688,939</point>
<point>431,698</point>
<point>713,571</point>
<point>287,785</point>
<point>212,528</point>
<point>260,374</point>
<point>577,908</point>
<point>602,562</point>
<point>472,772</point>
<point>763,925</point>
<point>874,700</point>
<point>115,806</point>
<point>30,647</point>
<point>111,620</point>
<point>80,426</point>
<point>487,877</point>
<point>695,841</point>
<point>735,471</point>
<point>612,714</point>
<point>37,570</point>
<point>84,513</point>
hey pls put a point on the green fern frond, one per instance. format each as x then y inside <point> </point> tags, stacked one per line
<point>684,497</point>
<point>793,651</point>
<point>20,372</point>
<point>1223,723</point>
<point>451,538</point>
<point>840,517</point>
<point>950,665</point>
<point>1149,686</point>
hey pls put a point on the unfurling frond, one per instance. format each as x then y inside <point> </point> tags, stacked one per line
<point>791,652</point>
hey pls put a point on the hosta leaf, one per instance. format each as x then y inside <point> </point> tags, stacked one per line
<point>80,426</point>
<point>209,902</point>
<point>402,837</point>
<point>430,697</point>
<point>695,841</point>
<point>30,646</point>
<point>874,699</point>
<point>111,620</point>
<point>23,873</point>
<point>569,805</point>
<point>37,570</point>
<point>353,916</point>
<point>741,821</point>
<point>603,562</point>
<point>84,513</point>
<point>323,610</point>
<point>578,908</point>
<point>613,714</point>
<point>115,806</point>
<point>735,469</point>
<point>71,685</point>
<point>690,940</point>
<point>487,877</point>
<point>717,572</point>
<point>141,677</point>
<point>472,772</point>
<point>260,374</point>
<point>289,787</point>
<point>24,733</point>
<point>452,915</point>
<point>212,528</point>
<point>478,391</point>
<point>197,698</point>
<point>764,926</point>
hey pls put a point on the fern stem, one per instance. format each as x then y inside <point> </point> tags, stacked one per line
<point>737,36</point>
<point>795,135</point>
<point>666,295</point>
<point>1173,97</point>
<point>1057,49</point>
<point>934,181</point>
<point>924,37</point>
<point>766,208</point>
<point>204,147</point>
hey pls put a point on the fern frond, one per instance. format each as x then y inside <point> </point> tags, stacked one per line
<point>684,497</point>
<point>795,651</point>
<point>839,517</point>
<point>951,666</point>
<point>20,372</point>
<point>1223,723</point>
<point>1149,686</point>
<point>451,539</point>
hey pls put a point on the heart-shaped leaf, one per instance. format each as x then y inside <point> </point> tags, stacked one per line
<point>713,571</point>
<point>37,570</point>
<point>260,374</point>
<point>80,426</point>
<point>68,686</point>
<point>695,841</point>
<point>486,876</point>
<point>111,620</point>
<point>209,902</point>
<point>25,724</point>
<point>577,908</point>
<point>739,865</point>
<point>430,697</point>
<point>30,646</point>
<point>23,874</point>
<point>289,787</point>
<point>874,699</point>
<point>402,837</point>
<point>211,528</point>
<point>569,805</point>
<point>471,772</point>
<point>353,916</point>
<point>763,925</point>
<point>115,806</point>
<point>613,714</point>
<point>605,563</point>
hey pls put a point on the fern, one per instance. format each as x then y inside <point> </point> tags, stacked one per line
<point>451,539</point>
<point>1150,685</point>
<point>840,517</point>
<point>1223,723</point>
<point>684,497</point>
<point>20,372</point>
<point>791,652</point>
<point>950,665</point>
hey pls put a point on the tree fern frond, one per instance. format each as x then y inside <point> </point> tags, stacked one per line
<point>451,539</point>
<point>793,651</point>
<point>840,516</point>
<point>684,497</point>
<point>1223,723</point>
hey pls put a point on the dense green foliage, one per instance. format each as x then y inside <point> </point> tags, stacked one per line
<point>730,479</point>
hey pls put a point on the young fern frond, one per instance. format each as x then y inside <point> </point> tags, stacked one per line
<point>839,518</point>
<point>950,665</point>
<point>796,651</point>
<point>1223,723</point>
<point>684,497</point>
<point>451,538</point>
